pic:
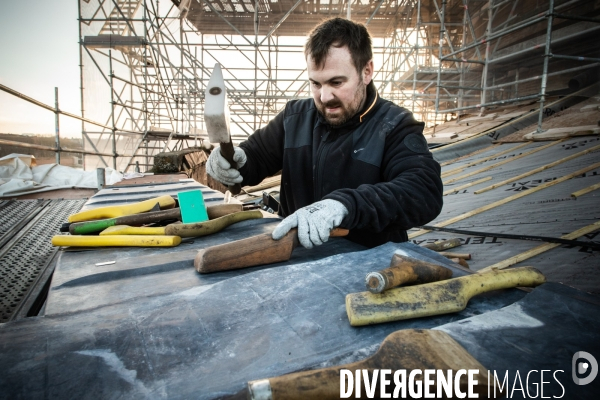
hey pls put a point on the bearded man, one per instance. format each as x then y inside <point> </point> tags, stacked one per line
<point>348,158</point>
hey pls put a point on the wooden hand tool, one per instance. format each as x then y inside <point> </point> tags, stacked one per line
<point>435,298</point>
<point>256,250</point>
<point>404,270</point>
<point>87,227</point>
<point>185,230</point>
<point>409,349</point>
<point>116,240</point>
<point>216,117</point>
<point>128,209</point>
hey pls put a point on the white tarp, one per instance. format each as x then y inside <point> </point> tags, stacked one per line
<point>20,175</point>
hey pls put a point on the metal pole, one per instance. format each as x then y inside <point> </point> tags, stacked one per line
<point>439,77</point>
<point>416,66</point>
<point>349,10</point>
<point>112,110</point>
<point>56,126</point>
<point>81,81</point>
<point>486,58</point>
<point>145,97</point>
<point>255,113</point>
<point>462,65</point>
<point>547,54</point>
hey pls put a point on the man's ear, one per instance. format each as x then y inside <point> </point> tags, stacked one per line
<point>367,73</point>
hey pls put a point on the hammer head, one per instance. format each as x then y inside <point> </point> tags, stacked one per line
<point>216,112</point>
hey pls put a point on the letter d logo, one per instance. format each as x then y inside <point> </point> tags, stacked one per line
<point>583,367</point>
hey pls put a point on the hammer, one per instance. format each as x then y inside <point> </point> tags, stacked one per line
<point>216,117</point>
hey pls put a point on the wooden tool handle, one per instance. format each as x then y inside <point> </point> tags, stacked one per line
<point>227,152</point>
<point>250,252</point>
<point>212,226</point>
<point>435,298</point>
<point>404,270</point>
<point>407,349</point>
<point>338,232</point>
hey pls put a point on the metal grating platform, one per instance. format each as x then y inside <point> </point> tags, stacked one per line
<point>26,228</point>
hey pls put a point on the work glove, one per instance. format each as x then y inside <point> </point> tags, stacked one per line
<point>314,222</point>
<point>218,167</point>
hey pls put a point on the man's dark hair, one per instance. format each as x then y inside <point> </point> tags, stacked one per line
<point>339,32</point>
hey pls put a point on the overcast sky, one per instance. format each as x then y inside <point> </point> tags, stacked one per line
<point>39,51</point>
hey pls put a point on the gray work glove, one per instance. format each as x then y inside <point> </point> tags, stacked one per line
<point>218,167</point>
<point>314,222</point>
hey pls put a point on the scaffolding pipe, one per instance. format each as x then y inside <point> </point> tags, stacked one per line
<point>112,110</point>
<point>486,57</point>
<point>416,66</point>
<point>56,126</point>
<point>577,58</point>
<point>534,78</point>
<point>557,41</point>
<point>493,103</point>
<point>439,77</point>
<point>498,35</point>
<point>50,108</point>
<point>547,54</point>
<point>51,148</point>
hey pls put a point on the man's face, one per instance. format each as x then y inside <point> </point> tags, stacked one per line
<point>339,91</point>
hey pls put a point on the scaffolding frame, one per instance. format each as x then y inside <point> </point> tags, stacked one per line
<point>144,63</point>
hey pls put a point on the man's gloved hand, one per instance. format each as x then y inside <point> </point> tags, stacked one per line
<point>314,222</point>
<point>218,167</point>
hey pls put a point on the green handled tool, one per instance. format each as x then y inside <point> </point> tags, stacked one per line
<point>88,227</point>
<point>185,230</point>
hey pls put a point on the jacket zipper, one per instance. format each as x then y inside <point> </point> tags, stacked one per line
<point>324,146</point>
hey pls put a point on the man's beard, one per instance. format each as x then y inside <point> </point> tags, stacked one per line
<point>346,112</point>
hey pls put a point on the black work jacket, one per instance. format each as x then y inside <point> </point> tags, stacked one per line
<point>377,164</point>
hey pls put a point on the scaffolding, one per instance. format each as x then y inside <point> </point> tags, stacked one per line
<point>145,63</point>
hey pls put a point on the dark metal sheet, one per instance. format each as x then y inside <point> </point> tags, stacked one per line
<point>543,331</point>
<point>209,340</point>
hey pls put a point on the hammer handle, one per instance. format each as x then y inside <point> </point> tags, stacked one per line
<point>227,153</point>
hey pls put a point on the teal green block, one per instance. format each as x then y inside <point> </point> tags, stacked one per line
<point>192,207</point>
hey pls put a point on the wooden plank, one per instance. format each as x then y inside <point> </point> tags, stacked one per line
<point>586,190</point>
<point>590,107</point>
<point>483,118</point>
<point>469,155</point>
<point>458,178</point>
<point>536,170</point>
<point>459,169</point>
<point>561,133</point>
<point>506,200</point>
<point>541,248</point>
<point>467,185</point>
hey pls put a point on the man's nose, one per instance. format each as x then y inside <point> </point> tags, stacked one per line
<point>326,94</point>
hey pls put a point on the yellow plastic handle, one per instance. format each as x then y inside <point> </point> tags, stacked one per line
<point>120,211</point>
<point>115,240</point>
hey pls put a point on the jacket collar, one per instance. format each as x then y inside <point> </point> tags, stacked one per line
<point>368,108</point>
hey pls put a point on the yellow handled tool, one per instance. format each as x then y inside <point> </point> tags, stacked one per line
<point>116,240</point>
<point>435,298</point>
<point>185,230</point>
<point>120,211</point>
